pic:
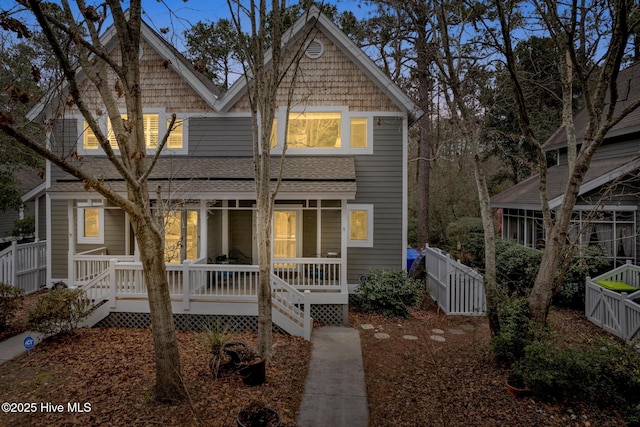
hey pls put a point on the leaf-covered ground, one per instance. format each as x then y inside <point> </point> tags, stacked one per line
<point>418,382</point>
<point>455,382</point>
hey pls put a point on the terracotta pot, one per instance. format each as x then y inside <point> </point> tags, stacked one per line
<point>516,391</point>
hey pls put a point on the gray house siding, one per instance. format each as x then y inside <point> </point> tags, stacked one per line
<point>59,238</point>
<point>380,179</point>
<point>220,137</point>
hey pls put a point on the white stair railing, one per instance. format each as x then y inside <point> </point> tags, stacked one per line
<point>291,303</point>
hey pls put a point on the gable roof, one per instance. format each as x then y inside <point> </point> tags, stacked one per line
<point>315,17</point>
<point>628,92</point>
<point>526,194</point>
<point>183,67</point>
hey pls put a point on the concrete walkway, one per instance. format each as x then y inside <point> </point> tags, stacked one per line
<point>14,346</point>
<point>335,391</point>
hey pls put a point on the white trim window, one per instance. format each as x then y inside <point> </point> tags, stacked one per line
<point>323,130</point>
<point>156,123</point>
<point>91,222</point>
<point>360,225</point>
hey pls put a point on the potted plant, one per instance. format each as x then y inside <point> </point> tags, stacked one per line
<point>257,414</point>
<point>515,384</point>
<point>253,370</point>
<point>214,339</point>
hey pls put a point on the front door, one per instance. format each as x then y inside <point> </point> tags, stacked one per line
<point>180,236</point>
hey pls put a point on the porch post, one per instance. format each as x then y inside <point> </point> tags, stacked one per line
<point>343,253</point>
<point>307,326</point>
<point>112,283</point>
<point>186,287</point>
<point>14,264</point>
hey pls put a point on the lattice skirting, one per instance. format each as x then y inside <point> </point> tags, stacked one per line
<point>329,314</point>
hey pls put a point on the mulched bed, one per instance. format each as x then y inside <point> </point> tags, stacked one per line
<point>18,322</point>
<point>455,382</point>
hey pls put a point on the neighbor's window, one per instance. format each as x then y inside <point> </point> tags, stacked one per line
<point>91,222</point>
<point>360,225</point>
<point>314,130</point>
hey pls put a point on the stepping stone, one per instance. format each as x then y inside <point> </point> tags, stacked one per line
<point>437,331</point>
<point>381,335</point>
<point>438,338</point>
<point>410,337</point>
<point>455,331</point>
<point>468,327</point>
<point>366,326</point>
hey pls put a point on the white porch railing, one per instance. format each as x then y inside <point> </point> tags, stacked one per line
<point>311,273</point>
<point>616,312</point>
<point>457,288</point>
<point>192,283</point>
<point>87,265</point>
<point>24,266</point>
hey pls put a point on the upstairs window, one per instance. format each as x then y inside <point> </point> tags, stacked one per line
<point>324,132</point>
<point>155,126</point>
<point>314,130</point>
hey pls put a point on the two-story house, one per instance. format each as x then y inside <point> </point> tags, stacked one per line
<point>606,213</point>
<point>341,209</point>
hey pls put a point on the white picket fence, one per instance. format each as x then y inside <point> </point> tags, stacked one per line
<point>24,266</point>
<point>615,312</point>
<point>457,288</point>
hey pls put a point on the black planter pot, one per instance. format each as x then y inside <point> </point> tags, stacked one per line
<point>258,416</point>
<point>253,373</point>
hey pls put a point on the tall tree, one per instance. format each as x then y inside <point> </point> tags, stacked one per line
<point>591,37</point>
<point>400,35</point>
<point>85,61</point>
<point>268,59</point>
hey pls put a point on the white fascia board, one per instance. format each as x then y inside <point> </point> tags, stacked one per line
<point>599,181</point>
<point>34,192</point>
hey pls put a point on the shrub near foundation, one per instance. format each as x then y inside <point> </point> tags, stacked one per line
<point>59,311</point>
<point>10,300</point>
<point>389,292</point>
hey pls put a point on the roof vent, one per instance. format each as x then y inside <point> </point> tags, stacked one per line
<point>315,49</point>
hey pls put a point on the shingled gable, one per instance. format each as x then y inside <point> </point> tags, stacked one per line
<point>322,23</point>
<point>198,82</point>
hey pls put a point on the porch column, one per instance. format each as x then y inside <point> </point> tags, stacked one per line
<point>343,251</point>
<point>203,233</point>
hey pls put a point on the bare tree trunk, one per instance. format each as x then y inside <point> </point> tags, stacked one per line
<point>424,156</point>
<point>264,215</point>
<point>168,386</point>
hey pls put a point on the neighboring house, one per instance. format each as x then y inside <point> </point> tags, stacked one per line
<point>30,183</point>
<point>341,209</point>
<point>606,213</point>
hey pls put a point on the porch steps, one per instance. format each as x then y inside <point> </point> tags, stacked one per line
<point>100,311</point>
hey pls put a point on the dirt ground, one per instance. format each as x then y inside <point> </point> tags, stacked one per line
<point>412,379</point>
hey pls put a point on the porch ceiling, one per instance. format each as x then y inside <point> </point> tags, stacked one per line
<point>328,175</point>
<point>526,194</point>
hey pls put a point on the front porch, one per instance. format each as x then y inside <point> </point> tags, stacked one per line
<point>116,284</point>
